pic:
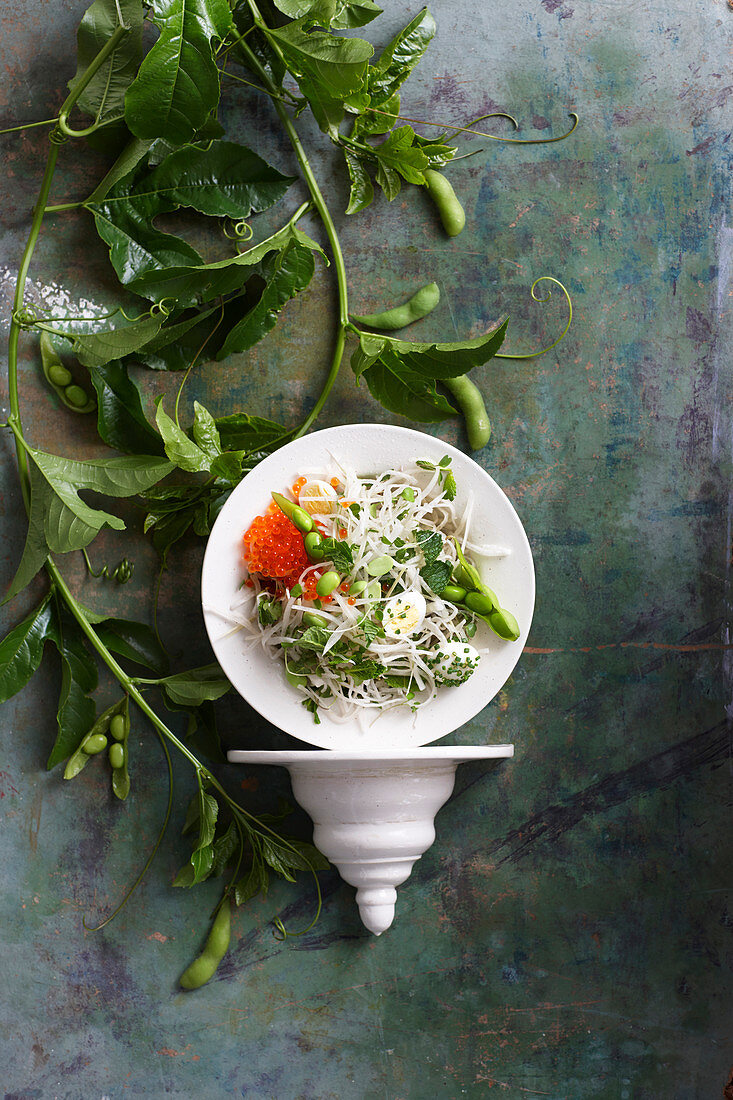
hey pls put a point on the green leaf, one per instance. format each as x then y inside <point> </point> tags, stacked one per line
<point>361,192</point>
<point>400,57</point>
<point>35,550</point>
<point>381,120</point>
<point>399,153</point>
<point>106,344</point>
<point>177,85</point>
<point>339,554</point>
<point>181,450</point>
<point>224,848</point>
<point>402,375</point>
<point>223,179</point>
<point>198,684</point>
<point>22,649</point>
<point>286,273</point>
<point>356,13</point>
<point>135,641</point>
<point>389,180</point>
<point>121,421</point>
<point>104,95</point>
<point>240,431</point>
<point>431,544</point>
<point>205,432</point>
<point>437,575</point>
<point>328,68</point>
<point>314,638</point>
<point>255,882</point>
<point>76,710</point>
<point>128,160</point>
<point>188,282</point>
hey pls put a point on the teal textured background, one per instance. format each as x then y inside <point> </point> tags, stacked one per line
<point>570,934</point>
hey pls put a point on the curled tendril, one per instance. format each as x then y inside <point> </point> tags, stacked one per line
<point>25,317</point>
<point>57,136</point>
<point>162,308</point>
<point>544,298</point>
<point>482,133</point>
<point>241,231</point>
<point>281,933</point>
<point>121,573</point>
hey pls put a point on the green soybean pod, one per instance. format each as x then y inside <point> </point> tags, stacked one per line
<point>328,582</point>
<point>204,967</point>
<point>60,379</point>
<point>454,593</point>
<point>503,623</point>
<point>94,744</point>
<point>441,192</point>
<point>313,543</point>
<point>116,755</point>
<point>479,603</point>
<point>471,403</point>
<point>297,515</point>
<point>311,619</point>
<point>418,306</point>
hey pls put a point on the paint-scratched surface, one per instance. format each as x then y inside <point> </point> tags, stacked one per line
<point>570,934</point>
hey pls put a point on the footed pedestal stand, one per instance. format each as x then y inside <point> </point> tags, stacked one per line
<point>373,810</point>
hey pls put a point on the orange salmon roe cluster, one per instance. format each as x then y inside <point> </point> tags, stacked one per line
<point>273,547</point>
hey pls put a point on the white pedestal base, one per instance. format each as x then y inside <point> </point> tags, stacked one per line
<point>373,811</point>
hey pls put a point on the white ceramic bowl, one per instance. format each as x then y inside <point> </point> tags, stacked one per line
<point>367,448</point>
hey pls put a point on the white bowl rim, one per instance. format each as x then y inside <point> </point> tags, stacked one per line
<point>251,672</point>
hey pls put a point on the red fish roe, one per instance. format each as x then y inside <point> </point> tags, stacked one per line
<point>273,547</point>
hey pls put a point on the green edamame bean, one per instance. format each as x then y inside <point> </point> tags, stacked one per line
<point>76,396</point>
<point>118,727</point>
<point>204,967</point>
<point>479,603</point>
<point>116,755</point>
<point>357,588</point>
<point>419,305</point>
<point>297,515</point>
<point>94,744</point>
<point>328,582</point>
<point>503,623</point>
<point>313,543</point>
<point>377,567</point>
<point>441,192</point>
<point>471,404</point>
<point>58,374</point>
<point>311,619</point>
<point>454,593</point>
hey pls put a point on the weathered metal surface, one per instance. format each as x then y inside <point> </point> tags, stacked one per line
<point>570,935</point>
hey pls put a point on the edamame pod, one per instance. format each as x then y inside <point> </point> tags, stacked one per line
<point>418,306</point>
<point>503,623</point>
<point>297,516</point>
<point>479,603</point>
<point>204,967</point>
<point>313,543</point>
<point>327,583</point>
<point>471,404</point>
<point>441,192</point>
<point>60,379</point>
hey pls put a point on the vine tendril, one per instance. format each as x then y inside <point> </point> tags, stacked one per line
<point>29,125</point>
<point>545,298</point>
<point>121,573</point>
<point>241,231</point>
<point>482,133</point>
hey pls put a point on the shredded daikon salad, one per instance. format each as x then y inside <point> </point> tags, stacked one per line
<point>369,625</point>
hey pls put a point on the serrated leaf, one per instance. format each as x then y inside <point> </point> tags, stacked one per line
<point>22,649</point>
<point>224,848</point>
<point>250,885</point>
<point>400,57</point>
<point>104,96</point>
<point>437,575</point>
<point>431,544</point>
<point>177,85</point>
